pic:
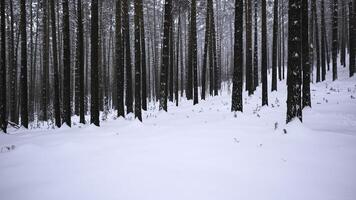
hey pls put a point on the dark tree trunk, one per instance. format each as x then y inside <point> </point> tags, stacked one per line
<point>255,51</point>
<point>249,69</point>
<point>66,65</point>
<point>13,71</point>
<point>352,29</point>
<point>264,55</point>
<point>305,55</point>
<point>274,47</point>
<point>193,36</point>
<point>294,107</point>
<point>206,47</point>
<point>165,54</point>
<point>24,94</point>
<point>3,114</point>
<point>323,49</point>
<point>126,33</point>
<point>138,63</point>
<point>94,64</point>
<point>335,38</point>
<point>143,59</point>
<point>45,61</point>
<point>317,41</point>
<point>119,61</point>
<point>80,64</point>
<point>237,104</point>
<point>57,112</point>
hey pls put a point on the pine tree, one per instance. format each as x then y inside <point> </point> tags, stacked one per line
<point>126,33</point>
<point>193,36</point>
<point>3,113</point>
<point>138,63</point>
<point>264,55</point>
<point>274,47</point>
<point>165,54</point>
<point>249,69</point>
<point>335,38</point>
<point>94,64</point>
<point>237,104</point>
<point>56,102</point>
<point>80,65</point>
<point>294,107</point>
<point>119,60</point>
<point>305,55</point>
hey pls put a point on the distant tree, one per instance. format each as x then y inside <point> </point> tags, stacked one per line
<point>94,64</point>
<point>294,107</point>
<point>274,47</point>
<point>237,104</point>
<point>334,37</point>
<point>305,54</point>
<point>126,31</point>
<point>143,60</point>
<point>206,47</point>
<point>138,61</point>
<point>165,54</point>
<point>317,41</point>
<point>3,113</point>
<point>264,55</point>
<point>119,60</point>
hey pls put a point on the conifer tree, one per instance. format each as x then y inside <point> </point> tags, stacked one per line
<point>94,118</point>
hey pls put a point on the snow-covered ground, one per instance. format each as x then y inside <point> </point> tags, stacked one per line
<point>194,152</point>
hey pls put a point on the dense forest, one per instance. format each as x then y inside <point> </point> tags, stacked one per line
<point>65,58</point>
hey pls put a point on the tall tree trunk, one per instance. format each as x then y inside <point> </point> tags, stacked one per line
<point>165,54</point>
<point>274,47</point>
<point>317,41</point>
<point>206,47</point>
<point>305,55</point>
<point>13,117</point>
<point>237,104</point>
<point>126,31</point>
<point>264,55</point>
<point>143,59</point>
<point>323,50</point>
<point>24,94</point>
<point>249,69</point>
<point>45,60</point>
<point>255,51</point>
<point>335,37</point>
<point>66,65</point>
<point>138,63</point>
<point>94,64</point>
<point>3,113</point>
<point>119,61</point>
<point>57,111</point>
<point>352,29</point>
<point>193,35</point>
<point>294,107</point>
<point>80,64</point>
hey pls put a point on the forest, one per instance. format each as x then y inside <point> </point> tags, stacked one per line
<point>167,74</point>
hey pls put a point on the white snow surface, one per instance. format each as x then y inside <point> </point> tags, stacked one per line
<point>194,152</point>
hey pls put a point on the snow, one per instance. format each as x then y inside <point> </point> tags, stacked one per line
<point>194,152</point>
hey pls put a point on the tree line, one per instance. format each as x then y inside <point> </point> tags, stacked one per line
<point>91,57</point>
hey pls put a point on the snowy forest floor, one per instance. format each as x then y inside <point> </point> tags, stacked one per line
<point>194,152</point>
